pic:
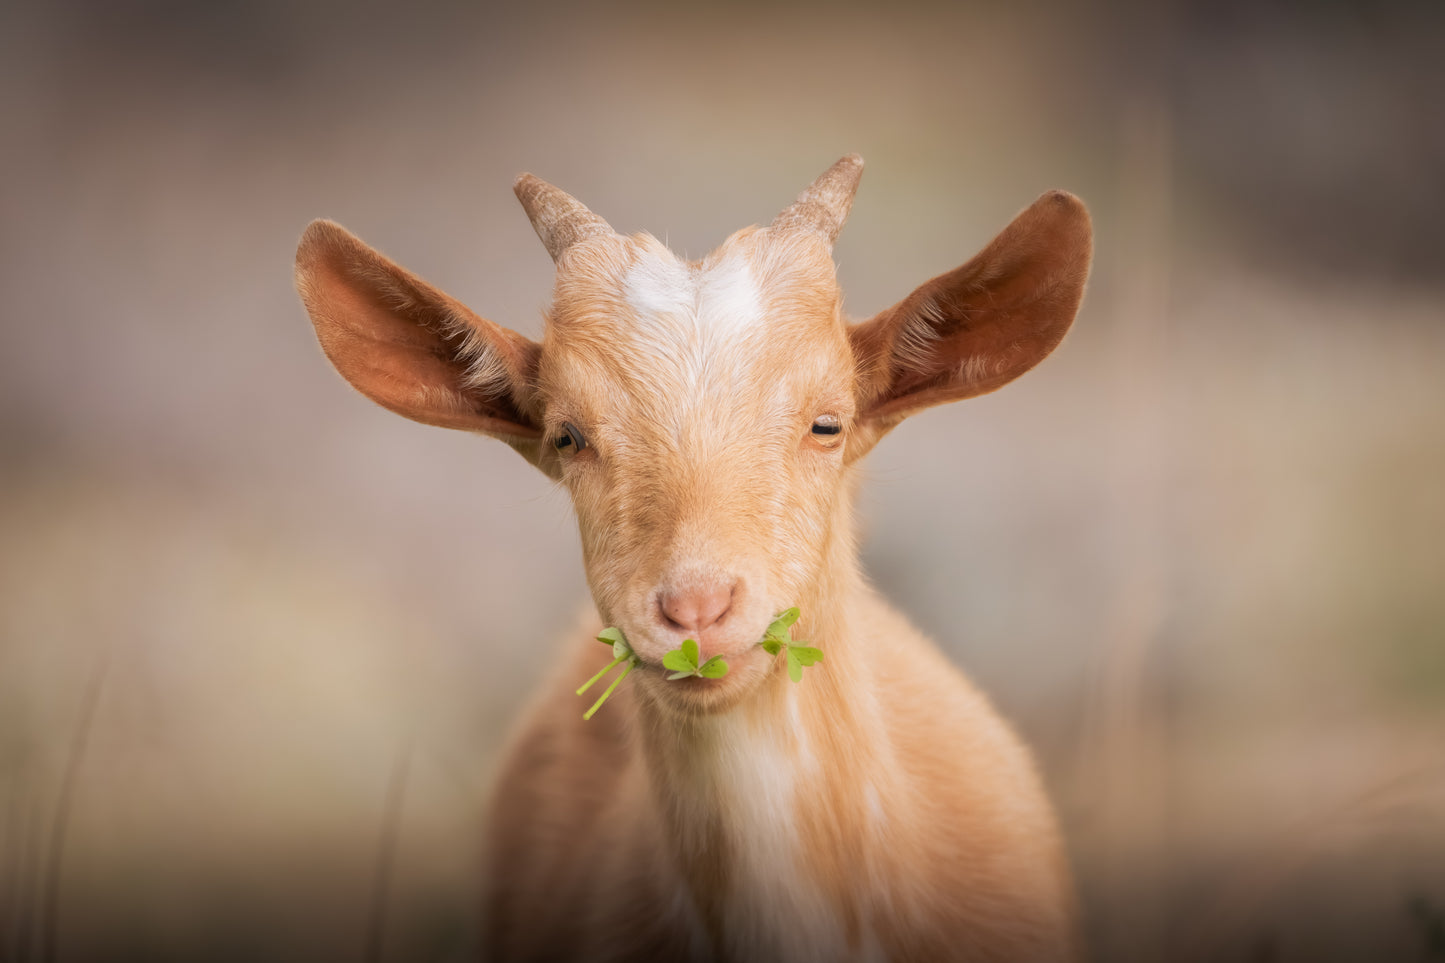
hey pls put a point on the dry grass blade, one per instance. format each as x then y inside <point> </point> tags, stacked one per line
<point>65,803</point>
<point>386,852</point>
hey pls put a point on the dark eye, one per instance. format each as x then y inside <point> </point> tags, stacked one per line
<point>570,439</point>
<point>825,426</point>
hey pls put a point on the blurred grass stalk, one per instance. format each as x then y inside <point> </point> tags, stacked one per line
<point>388,840</point>
<point>1124,744</point>
<point>65,804</point>
<point>19,860</point>
<point>32,854</point>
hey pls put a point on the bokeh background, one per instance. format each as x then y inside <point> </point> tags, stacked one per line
<point>260,640</point>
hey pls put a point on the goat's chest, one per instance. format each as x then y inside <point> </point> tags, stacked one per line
<point>742,816</point>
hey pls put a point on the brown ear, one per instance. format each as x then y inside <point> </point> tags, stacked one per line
<point>409,347</point>
<point>981,325</point>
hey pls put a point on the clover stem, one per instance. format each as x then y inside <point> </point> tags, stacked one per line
<point>631,664</point>
<point>609,667</point>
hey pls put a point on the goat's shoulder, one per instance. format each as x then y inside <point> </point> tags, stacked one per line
<point>970,809</point>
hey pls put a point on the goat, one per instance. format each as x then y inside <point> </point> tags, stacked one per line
<point>707,418</point>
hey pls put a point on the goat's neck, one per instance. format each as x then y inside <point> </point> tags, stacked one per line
<point>733,789</point>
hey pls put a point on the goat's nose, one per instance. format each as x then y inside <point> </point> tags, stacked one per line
<point>695,609</point>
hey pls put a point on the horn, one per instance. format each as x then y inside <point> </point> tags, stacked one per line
<point>559,218</point>
<point>823,207</point>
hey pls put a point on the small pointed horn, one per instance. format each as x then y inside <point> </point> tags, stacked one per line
<point>559,218</point>
<point>824,206</point>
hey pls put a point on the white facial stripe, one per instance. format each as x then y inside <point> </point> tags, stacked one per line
<point>715,305</point>
<point>728,300</point>
<point>661,290</point>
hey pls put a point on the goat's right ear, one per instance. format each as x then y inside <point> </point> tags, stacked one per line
<point>411,348</point>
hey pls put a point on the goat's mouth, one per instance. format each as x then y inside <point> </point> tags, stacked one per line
<point>700,695</point>
<point>686,680</point>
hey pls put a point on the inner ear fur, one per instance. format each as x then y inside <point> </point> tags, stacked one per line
<point>411,348</point>
<point>979,326</point>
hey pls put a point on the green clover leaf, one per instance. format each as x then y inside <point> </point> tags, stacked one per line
<point>614,637</point>
<point>714,668</point>
<point>778,630</point>
<point>795,668</point>
<point>683,663</point>
<point>778,640</point>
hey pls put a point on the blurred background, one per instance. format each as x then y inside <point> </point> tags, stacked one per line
<point>261,641</point>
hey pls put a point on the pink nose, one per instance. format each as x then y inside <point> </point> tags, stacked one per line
<point>696,609</point>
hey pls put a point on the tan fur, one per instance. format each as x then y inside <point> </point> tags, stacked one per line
<point>879,809</point>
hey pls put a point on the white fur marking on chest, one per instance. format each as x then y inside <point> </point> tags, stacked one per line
<point>776,910</point>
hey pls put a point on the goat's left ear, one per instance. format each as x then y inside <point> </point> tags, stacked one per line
<point>412,349</point>
<point>979,326</point>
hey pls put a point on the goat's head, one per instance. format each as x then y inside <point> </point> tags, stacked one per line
<point>703,415</point>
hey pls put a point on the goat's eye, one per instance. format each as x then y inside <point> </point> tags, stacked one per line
<point>569,439</point>
<point>826,426</point>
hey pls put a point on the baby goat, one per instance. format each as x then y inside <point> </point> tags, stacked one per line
<point>707,418</point>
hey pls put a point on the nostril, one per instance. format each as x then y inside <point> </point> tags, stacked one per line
<point>695,609</point>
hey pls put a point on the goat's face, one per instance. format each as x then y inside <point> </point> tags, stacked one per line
<point>697,414</point>
<point>702,415</point>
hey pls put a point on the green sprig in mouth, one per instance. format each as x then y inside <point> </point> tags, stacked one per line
<point>622,652</point>
<point>683,661</point>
